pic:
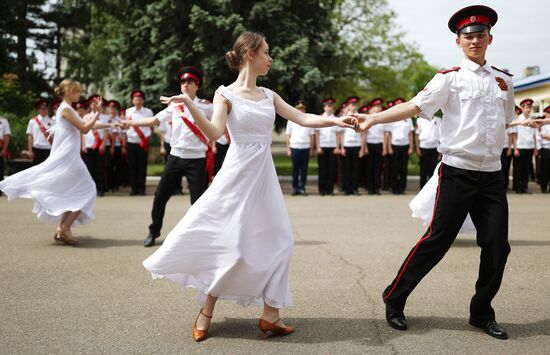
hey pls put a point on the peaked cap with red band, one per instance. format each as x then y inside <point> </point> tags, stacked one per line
<point>378,101</point>
<point>364,109</point>
<point>526,102</point>
<point>352,100</point>
<point>473,19</point>
<point>81,104</point>
<point>189,72</point>
<point>137,93</point>
<point>547,109</point>
<point>328,101</point>
<point>114,103</point>
<point>40,103</point>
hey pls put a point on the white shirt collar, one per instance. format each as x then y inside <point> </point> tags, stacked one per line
<point>473,66</point>
<point>43,118</point>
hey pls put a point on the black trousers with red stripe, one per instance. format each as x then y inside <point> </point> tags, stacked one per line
<point>461,192</point>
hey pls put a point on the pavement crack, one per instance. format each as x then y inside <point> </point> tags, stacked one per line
<point>360,281</point>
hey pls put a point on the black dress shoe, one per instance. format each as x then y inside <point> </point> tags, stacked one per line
<point>395,318</point>
<point>490,327</point>
<point>150,240</point>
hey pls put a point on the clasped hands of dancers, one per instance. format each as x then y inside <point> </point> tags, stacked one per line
<point>235,241</point>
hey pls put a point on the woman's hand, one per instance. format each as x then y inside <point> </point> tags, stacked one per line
<point>97,102</point>
<point>348,121</point>
<point>175,99</point>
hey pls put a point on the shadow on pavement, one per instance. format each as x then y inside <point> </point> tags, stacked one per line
<point>467,243</point>
<point>369,332</point>
<point>95,243</point>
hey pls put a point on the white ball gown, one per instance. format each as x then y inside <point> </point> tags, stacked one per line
<point>235,242</point>
<point>422,205</point>
<point>59,184</point>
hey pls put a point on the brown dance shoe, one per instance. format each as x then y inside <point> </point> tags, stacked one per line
<point>265,327</point>
<point>200,334</point>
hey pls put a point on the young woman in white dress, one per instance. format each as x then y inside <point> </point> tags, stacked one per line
<point>60,187</point>
<point>235,242</point>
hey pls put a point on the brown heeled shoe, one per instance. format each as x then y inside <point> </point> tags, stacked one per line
<point>198,334</point>
<point>265,327</point>
<point>65,237</point>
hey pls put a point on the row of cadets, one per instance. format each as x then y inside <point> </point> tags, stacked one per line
<point>300,143</point>
<point>545,154</point>
<point>39,140</point>
<point>426,142</point>
<point>189,149</point>
<point>137,143</point>
<point>400,138</point>
<point>526,145</point>
<point>5,135</point>
<point>351,151</point>
<point>375,149</point>
<point>328,142</point>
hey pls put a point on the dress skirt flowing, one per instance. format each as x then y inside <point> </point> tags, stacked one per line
<point>59,184</point>
<point>235,242</point>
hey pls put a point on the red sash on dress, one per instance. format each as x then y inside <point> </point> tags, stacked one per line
<point>197,132</point>
<point>43,130</point>
<point>143,141</point>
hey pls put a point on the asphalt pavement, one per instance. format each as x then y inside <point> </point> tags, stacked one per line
<point>98,299</point>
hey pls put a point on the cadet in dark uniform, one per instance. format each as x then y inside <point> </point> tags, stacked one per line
<point>470,178</point>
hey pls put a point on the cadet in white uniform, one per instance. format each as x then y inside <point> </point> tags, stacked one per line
<point>400,148</point>
<point>299,143</point>
<point>477,101</point>
<point>526,144</point>
<point>138,143</point>
<point>327,140</point>
<point>39,141</point>
<point>427,141</point>
<point>352,146</point>
<point>188,154</point>
<point>375,145</point>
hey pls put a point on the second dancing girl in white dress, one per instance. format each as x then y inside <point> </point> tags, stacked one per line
<point>235,242</point>
<point>60,187</point>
